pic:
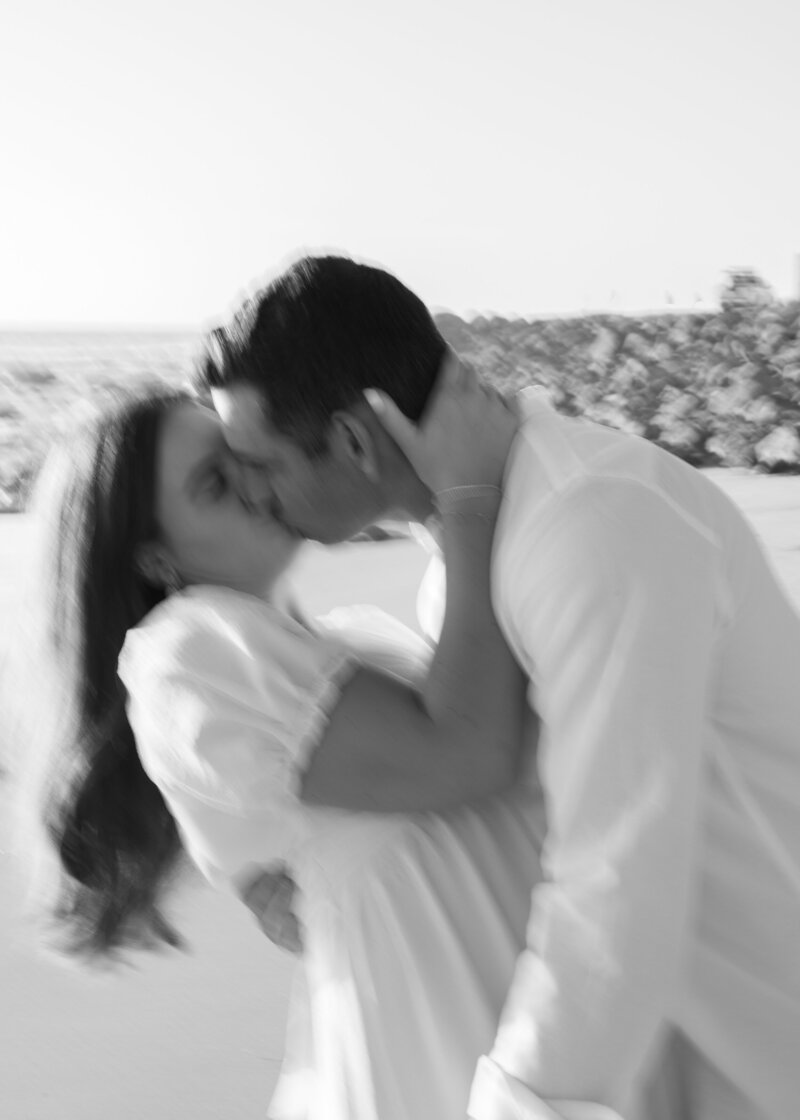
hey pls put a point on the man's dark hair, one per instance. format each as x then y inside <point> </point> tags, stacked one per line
<point>311,341</point>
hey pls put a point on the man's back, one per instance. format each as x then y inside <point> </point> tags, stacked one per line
<point>665,662</point>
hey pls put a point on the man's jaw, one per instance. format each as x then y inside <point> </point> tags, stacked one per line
<point>292,530</point>
<point>270,513</point>
<point>308,534</point>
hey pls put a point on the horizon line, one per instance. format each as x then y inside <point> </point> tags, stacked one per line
<point>136,327</point>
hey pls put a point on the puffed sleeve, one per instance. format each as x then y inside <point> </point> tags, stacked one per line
<point>227,698</point>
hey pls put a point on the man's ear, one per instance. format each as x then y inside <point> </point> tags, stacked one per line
<point>154,565</point>
<point>351,439</point>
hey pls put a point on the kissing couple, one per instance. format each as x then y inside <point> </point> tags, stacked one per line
<point>543,864</point>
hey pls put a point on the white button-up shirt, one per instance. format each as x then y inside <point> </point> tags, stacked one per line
<point>662,971</point>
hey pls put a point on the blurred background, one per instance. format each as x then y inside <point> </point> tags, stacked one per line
<point>599,196</point>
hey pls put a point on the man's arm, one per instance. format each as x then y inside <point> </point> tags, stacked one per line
<point>619,626</point>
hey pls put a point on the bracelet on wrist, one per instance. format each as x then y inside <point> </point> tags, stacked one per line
<point>467,499</point>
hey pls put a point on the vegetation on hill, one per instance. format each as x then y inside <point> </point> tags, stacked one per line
<point>716,388</point>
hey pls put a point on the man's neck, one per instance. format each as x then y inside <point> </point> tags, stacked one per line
<point>408,498</point>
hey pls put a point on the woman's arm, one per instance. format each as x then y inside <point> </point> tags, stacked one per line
<point>389,747</point>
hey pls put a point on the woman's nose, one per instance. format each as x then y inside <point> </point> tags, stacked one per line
<point>254,488</point>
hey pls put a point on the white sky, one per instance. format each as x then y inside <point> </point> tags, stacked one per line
<point>529,156</point>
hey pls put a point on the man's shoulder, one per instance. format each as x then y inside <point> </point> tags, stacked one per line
<point>563,464</point>
<point>554,450</point>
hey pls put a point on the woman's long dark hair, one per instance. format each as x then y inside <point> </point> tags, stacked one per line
<point>113,843</point>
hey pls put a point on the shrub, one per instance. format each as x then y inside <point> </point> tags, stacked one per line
<point>714,388</point>
<point>711,387</point>
<point>780,450</point>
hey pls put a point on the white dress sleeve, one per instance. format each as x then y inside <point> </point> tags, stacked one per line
<point>227,698</point>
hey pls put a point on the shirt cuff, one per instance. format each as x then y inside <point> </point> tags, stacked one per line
<point>498,1096</point>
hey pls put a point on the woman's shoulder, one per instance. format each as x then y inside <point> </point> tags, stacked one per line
<point>206,624</point>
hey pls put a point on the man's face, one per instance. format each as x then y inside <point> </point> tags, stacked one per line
<point>324,498</point>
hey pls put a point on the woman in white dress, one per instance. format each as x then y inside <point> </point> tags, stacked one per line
<point>338,747</point>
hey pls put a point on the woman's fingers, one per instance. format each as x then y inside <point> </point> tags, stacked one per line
<point>259,894</point>
<point>463,435</point>
<point>452,373</point>
<point>402,430</point>
<point>290,935</point>
<point>406,433</point>
<point>454,380</point>
<point>270,898</point>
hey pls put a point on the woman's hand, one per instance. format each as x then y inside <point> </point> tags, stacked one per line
<point>464,435</point>
<point>270,897</point>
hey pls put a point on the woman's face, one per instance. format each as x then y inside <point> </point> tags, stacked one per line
<point>208,531</point>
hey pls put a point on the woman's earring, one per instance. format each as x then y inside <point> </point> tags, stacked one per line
<point>154,567</point>
<point>172,582</point>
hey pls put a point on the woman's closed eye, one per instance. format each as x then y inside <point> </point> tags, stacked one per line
<point>215,483</point>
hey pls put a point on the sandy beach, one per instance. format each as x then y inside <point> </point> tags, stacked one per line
<point>200,1035</point>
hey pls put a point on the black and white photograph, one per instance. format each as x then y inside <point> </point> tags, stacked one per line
<point>399,560</point>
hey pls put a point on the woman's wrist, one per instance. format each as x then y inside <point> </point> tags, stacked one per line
<point>454,496</point>
<point>464,501</point>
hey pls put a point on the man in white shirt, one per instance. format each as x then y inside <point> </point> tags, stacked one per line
<point>663,659</point>
<point>662,975</point>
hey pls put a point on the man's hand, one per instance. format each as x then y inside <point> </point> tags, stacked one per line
<point>464,435</point>
<point>270,897</point>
